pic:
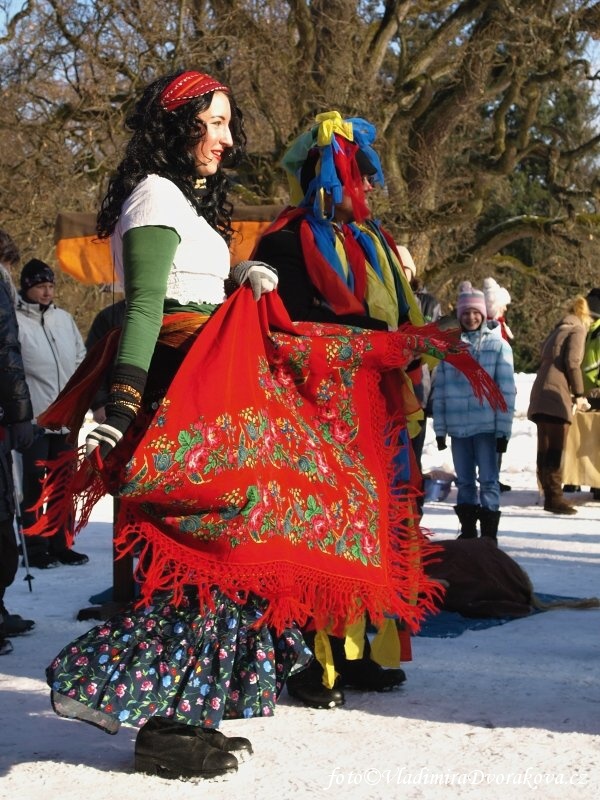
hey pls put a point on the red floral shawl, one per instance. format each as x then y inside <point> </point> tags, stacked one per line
<point>268,469</point>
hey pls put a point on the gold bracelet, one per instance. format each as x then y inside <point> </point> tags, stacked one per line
<point>124,404</point>
<point>126,389</point>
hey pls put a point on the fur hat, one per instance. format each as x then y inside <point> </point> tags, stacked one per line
<point>496,298</point>
<point>35,272</point>
<point>593,300</point>
<point>468,297</point>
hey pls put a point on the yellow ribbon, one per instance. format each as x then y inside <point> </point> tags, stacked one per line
<point>330,123</point>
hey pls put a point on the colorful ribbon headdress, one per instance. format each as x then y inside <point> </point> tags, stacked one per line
<point>337,141</point>
<point>186,87</point>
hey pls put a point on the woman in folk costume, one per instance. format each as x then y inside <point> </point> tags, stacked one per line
<point>250,457</point>
<point>338,264</point>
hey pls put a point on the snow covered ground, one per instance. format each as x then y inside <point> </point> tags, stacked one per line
<point>512,710</point>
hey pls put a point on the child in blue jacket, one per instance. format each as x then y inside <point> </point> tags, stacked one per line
<point>477,431</point>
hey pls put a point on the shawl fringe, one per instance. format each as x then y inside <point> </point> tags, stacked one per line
<point>294,590</point>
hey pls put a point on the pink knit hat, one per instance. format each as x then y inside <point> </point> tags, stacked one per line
<point>468,297</point>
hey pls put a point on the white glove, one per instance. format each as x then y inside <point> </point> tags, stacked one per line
<point>581,404</point>
<point>262,277</point>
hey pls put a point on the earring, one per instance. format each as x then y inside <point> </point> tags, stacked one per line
<point>200,183</point>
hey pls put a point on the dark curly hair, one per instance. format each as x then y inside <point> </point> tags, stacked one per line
<point>161,144</point>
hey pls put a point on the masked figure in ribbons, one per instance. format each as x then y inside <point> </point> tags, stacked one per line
<point>338,264</point>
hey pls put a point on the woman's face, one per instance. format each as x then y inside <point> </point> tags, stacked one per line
<point>471,319</point>
<point>208,153</point>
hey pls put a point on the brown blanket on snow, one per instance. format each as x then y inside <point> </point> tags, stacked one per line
<point>482,580</point>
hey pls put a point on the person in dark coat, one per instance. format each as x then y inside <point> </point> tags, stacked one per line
<point>105,320</point>
<point>16,432</point>
<point>557,389</point>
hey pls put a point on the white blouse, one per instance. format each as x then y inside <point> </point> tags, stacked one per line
<point>201,261</point>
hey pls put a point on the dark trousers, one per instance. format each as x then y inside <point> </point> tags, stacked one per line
<point>551,439</point>
<point>45,448</point>
<point>9,556</point>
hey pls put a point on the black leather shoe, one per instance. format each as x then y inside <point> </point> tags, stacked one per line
<point>307,687</point>
<point>238,745</point>
<point>71,558</point>
<point>5,647</point>
<point>174,750</point>
<point>367,676</point>
<point>15,625</point>
<point>41,561</point>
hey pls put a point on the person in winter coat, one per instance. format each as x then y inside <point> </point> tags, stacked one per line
<point>478,433</point>
<point>557,391</point>
<point>590,366</point>
<point>105,320</point>
<point>16,432</point>
<point>432,311</point>
<point>497,301</point>
<point>52,349</point>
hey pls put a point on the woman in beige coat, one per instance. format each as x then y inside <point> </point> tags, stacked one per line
<point>557,388</point>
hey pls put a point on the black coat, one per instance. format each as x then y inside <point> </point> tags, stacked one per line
<point>283,250</point>
<point>15,403</point>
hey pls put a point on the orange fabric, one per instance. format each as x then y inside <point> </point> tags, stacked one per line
<point>246,235</point>
<point>88,259</point>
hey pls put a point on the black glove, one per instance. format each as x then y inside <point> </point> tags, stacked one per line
<point>441,442</point>
<point>126,390</point>
<point>262,277</point>
<point>501,444</point>
<point>21,435</point>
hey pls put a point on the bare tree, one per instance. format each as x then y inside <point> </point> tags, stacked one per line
<point>463,92</point>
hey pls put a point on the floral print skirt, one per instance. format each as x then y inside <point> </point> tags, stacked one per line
<point>197,667</point>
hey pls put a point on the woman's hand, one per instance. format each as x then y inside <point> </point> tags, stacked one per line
<point>262,277</point>
<point>581,404</point>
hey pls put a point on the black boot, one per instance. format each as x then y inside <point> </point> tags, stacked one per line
<point>468,515</point>
<point>14,624</point>
<point>238,745</point>
<point>489,523</point>
<point>175,750</point>
<point>368,676</point>
<point>307,686</point>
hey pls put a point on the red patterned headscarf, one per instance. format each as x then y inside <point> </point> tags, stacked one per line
<point>186,87</point>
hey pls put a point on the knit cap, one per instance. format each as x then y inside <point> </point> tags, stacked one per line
<point>35,272</point>
<point>593,300</point>
<point>468,297</point>
<point>496,298</point>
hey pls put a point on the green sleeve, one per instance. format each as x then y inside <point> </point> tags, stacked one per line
<point>148,254</point>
